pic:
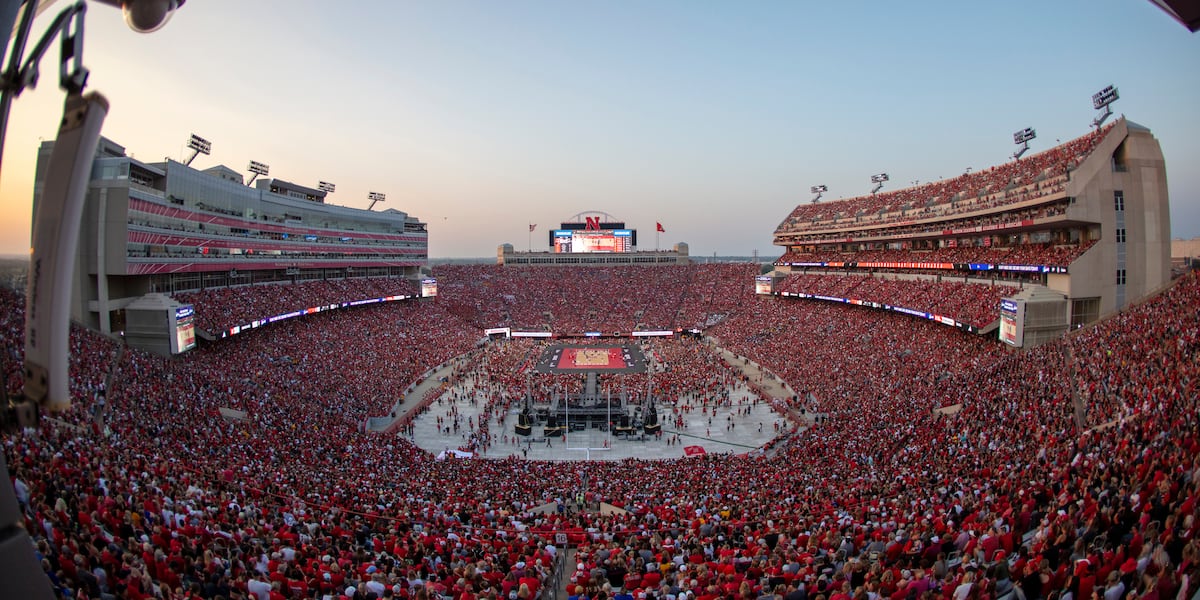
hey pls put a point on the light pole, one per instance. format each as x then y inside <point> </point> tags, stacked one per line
<point>878,180</point>
<point>375,197</point>
<point>1102,100</point>
<point>1021,138</point>
<point>817,190</point>
<point>198,146</point>
<point>257,169</point>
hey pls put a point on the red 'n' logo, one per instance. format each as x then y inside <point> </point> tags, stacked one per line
<point>593,223</point>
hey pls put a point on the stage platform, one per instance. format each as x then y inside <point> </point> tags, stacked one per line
<point>580,359</point>
<point>744,436</point>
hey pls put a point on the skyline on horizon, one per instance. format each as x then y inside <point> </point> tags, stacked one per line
<point>713,120</point>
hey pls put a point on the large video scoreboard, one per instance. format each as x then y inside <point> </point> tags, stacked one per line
<point>617,240</point>
<point>593,236</point>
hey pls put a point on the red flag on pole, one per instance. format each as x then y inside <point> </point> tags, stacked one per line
<point>660,227</point>
<point>532,226</point>
<point>694,451</point>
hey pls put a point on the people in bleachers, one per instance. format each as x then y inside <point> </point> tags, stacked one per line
<point>219,309</point>
<point>940,466</point>
<point>603,299</point>
<point>1025,254</point>
<point>1038,175</point>
<point>977,304</point>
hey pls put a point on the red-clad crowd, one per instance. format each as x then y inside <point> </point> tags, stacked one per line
<point>219,309</point>
<point>942,466</point>
<point>976,304</point>
<point>1038,175</point>
<point>617,299</point>
<point>1051,255</point>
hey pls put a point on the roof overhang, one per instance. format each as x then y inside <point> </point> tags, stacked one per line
<point>1187,12</point>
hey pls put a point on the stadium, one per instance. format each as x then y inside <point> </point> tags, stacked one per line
<point>975,387</point>
<point>227,386</point>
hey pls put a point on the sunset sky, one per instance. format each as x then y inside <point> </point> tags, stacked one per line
<point>713,118</point>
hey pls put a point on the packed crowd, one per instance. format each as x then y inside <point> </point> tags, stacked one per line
<point>1013,182</point>
<point>604,299</point>
<point>1012,217</point>
<point>1001,492</point>
<point>977,304</point>
<point>219,309</point>
<point>1053,255</point>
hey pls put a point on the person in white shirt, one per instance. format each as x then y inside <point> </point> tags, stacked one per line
<point>22,491</point>
<point>964,588</point>
<point>259,587</point>
<point>376,585</point>
<point>1115,589</point>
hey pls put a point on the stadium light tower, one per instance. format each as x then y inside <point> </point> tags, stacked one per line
<point>199,146</point>
<point>258,169</point>
<point>1102,100</point>
<point>1021,138</point>
<point>878,180</point>
<point>818,190</point>
<point>375,197</point>
<point>326,187</point>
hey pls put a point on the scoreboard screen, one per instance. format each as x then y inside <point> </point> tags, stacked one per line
<point>185,329</point>
<point>764,284</point>
<point>591,240</point>
<point>428,288</point>
<point>1012,322</point>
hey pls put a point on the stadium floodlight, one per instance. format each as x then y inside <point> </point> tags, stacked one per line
<point>818,190</point>
<point>375,197</point>
<point>326,187</point>
<point>258,169</point>
<point>878,180</point>
<point>1021,138</point>
<point>198,146</point>
<point>1102,100</point>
